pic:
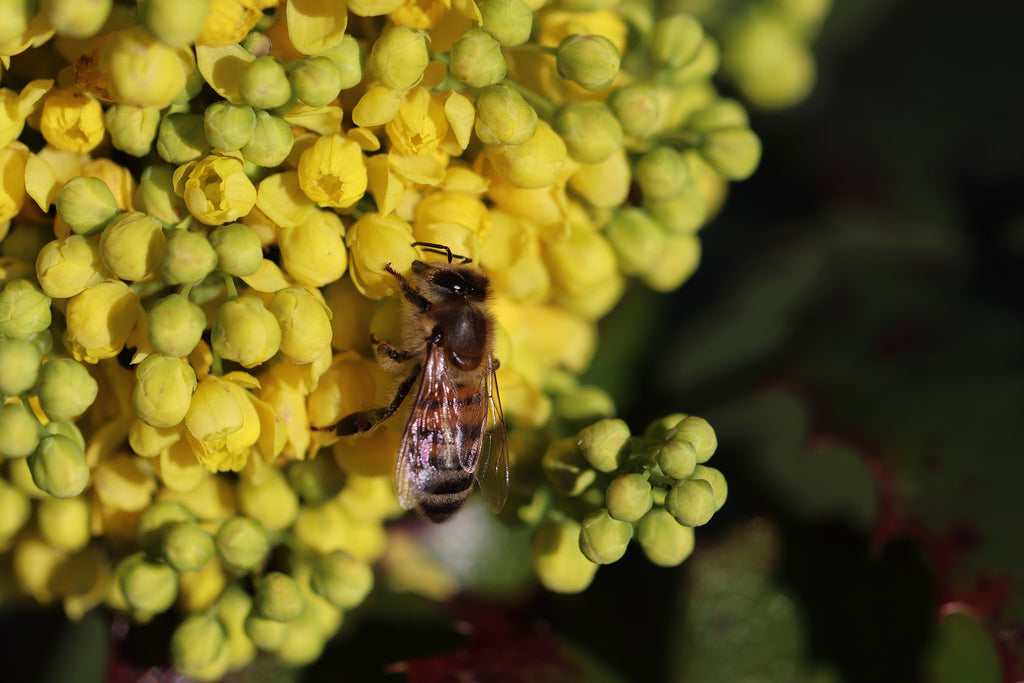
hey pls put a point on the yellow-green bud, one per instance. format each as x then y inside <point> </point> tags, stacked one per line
<point>174,22</point>
<point>58,466</point>
<point>476,59</point>
<point>187,547</point>
<point>21,431</point>
<point>132,129</point>
<point>19,367</point>
<point>696,431</point>
<point>77,18</point>
<point>677,40</point>
<point>637,238</point>
<point>509,21</point>
<point>242,543</point>
<point>682,214</point>
<point>665,542</point>
<point>699,69</point>
<point>14,509</point>
<point>155,194</point>
<point>661,173</point>
<point>348,59</point>
<point>503,116</point>
<point>271,141</point>
<point>557,559</point>
<point>316,480</point>
<point>175,325</point>
<point>229,126</point>
<point>266,633</point>
<point>590,61</point>
<point>637,108</point>
<point>719,487</point>
<point>584,404</point>
<point>590,131</point>
<point>269,500</point>
<point>565,467</point>
<point>603,539</point>
<point>603,443</point>
<point>86,205</point>
<point>257,44</point>
<point>66,389</point>
<point>64,522</point>
<point>239,250</point>
<point>691,502</point>
<point>17,15</point>
<point>188,257</point>
<point>164,390</point>
<point>264,83</point>
<point>197,642</point>
<point>68,429</point>
<point>132,245</point>
<point>677,459</point>
<point>733,152</point>
<point>304,322</point>
<point>158,517</point>
<point>315,80</point>
<point>588,5</point>
<point>24,310</point>
<point>278,597</point>
<point>719,115</point>
<point>398,57</point>
<point>245,331</point>
<point>182,138</point>
<point>194,82</point>
<point>628,497</point>
<point>342,579</point>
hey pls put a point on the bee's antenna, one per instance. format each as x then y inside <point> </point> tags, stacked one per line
<point>442,249</point>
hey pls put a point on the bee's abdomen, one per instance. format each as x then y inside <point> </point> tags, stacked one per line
<point>444,491</point>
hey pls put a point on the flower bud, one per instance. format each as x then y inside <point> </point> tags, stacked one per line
<point>267,634</point>
<point>132,245</point>
<point>584,405</point>
<point>504,117</point>
<point>155,194</point>
<point>665,542</point>
<point>15,509</point>
<point>156,519</point>
<point>174,22</point>
<point>566,469</point>
<point>21,431</point>
<point>197,642</point>
<point>187,547</point>
<point>65,267</point>
<point>182,138</point>
<point>164,390</point>
<point>661,173</point>
<point>509,21</point>
<point>246,332</point>
<point>677,459</point>
<point>476,59</point>
<point>278,597</point>
<point>58,466</point>
<point>629,497</point>
<point>141,70</point>
<point>242,543</point>
<point>271,141</point>
<point>148,587</point>
<point>590,131</point>
<point>239,251</point>
<point>315,81</point>
<point>603,444</point>
<point>188,257</point>
<point>270,501</point>
<point>342,579</point>
<point>398,57</point>
<point>691,502</point>
<point>719,488</point>
<point>696,431</point>
<point>229,126</point>
<point>19,366</point>
<point>65,389</point>
<point>733,152</point>
<point>347,58</point>
<point>72,120</point>
<point>175,325</point>
<point>637,238</point>
<point>677,39</point>
<point>86,205</point>
<point>317,480</point>
<point>557,559</point>
<point>590,61</point>
<point>675,264</point>
<point>603,539</point>
<point>132,129</point>
<point>264,83</point>
<point>77,19</point>
<point>304,322</point>
<point>637,108</point>
<point>64,522</point>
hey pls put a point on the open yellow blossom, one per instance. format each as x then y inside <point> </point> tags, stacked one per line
<point>71,120</point>
<point>15,108</point>
<point>419,125</point>
<point>374,240</point>
<point>281,198</point>
<point>332,172</point>
<point>13,159</point>
<point>228,21</point>
<point>316,25</point>
<point>313,252</point>
<point>99,320</point>
<point>222,423</point>
<point>142,71</point>
<point>216,190</point>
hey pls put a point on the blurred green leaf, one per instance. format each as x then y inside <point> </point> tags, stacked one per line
<point>961,650</point>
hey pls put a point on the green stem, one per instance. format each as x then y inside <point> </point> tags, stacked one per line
<point>545,107</point>
<point>229,284</point>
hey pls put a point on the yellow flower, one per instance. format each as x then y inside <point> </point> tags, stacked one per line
<point>385,186</point>
<point>373,241</point>
<point>142,71</point>
<point>178,468</point>
<point>332,172</point>
<point>245,331</point>
<point>535,163</point>
<point>222,423</point>
<point>377,106</point>
<point>124,482</point>
<point>15,107</point>
<point>67,266</point>
<point>314,252</point>
<point>71,120</point>
<point>119,180</point>
<point>222,67</point>
<point>229,21</point>
<point>284,386</point>
<point>13,159</point>
<point>99,320</point>
<point>216,190</point>
<point>316,25</point>
<point>420,124</point>
<point>606,183</point>
<point>281,198</point>
<point>510,252</point>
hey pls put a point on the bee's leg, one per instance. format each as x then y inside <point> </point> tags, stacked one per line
<point>411,295</point>
<point>389,351</point>
<point>367,419</point>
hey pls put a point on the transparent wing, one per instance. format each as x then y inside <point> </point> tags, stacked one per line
<point>492,470</point>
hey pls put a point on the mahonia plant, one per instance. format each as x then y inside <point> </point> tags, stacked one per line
<point>197,202</point>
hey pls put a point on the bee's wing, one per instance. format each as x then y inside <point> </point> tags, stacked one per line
<point>431,432</point>
<point>492,470</point>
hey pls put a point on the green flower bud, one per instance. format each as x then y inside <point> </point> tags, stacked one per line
<point>603,444</point>
<point>557,559</point>
<point>132,129</point>
<point>239,251</point>
<point>603,539</point>
<point>348,59</point>
<point>677,459</point>
<point>21,431</point>
<point>661,173</point>
<point>590,130</point>
<point>15,509</point>
<point>182,138</point>
<point>187,547</point>
<point>194,82</point>
<point>733,152</point>
<point>677,40</point>
<point>476,59</point>
<point>628,497</point>
<point>398,57</point>
<point>58,466</point>
<point>665,542</point>
<point>691,502</point>
<point>271,141</point>
<point>164,391</point>
<point>266,633</point>
<point>509,21</point>
<point>714,478</point>
<point>43,340</point>
<point>264,84</point>
<point>342,579</point>
<point>132,245</point>
<point>68,429</point>
<point>683,214</point>
<point>590,61</point>
<point>242,543</point>
<point>699,69</point>
<point>278,597</point>
<point>197,642</point>
<point>66,389</point>
<point>155,194</point>
<point>86,205</point>
<point>77,19</point>
<point>188,257</point>
<point>246,332</point>
<point>584,405</point>
<point>637,108</point>
<point>269,500</point>
<point>175,22</point>
<point>696,431</point>
<point>158,517</point>
<point>315,81</point>
<point>565,467</point>
<point>637,238</point>
<point>229,126</point>
<point>257,44</point>
<point>503,116</point>
<point>316,480</point>
<point>19,366</point>
<point>64,522</point>
<point>175,325</point>
<point>719,115</point>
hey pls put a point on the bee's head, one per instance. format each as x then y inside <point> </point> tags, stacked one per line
<point>453,281</point>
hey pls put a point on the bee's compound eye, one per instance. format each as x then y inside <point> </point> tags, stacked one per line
<point>453,282</point>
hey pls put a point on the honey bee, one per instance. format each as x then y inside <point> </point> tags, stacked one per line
<point>448,339</point>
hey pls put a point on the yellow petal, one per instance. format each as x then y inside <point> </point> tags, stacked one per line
<point>268,278</point>
<point>222,67</point>
<point>316,25</point>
